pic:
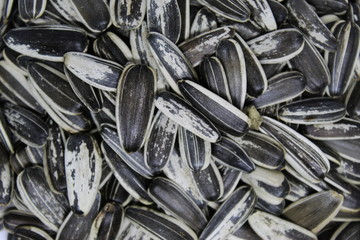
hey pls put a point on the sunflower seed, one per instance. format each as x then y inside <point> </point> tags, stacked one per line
<point>164,17</point>
<point>133,183</point>
<point>30,128</point>
<point>161,225</point>
<point>231,56</point>
<point>346,231</point>
<point>6,178</point>
<point>304,156</point>
<point>352,101</point>
<point>256,78</point>
<point>348,149</point>
<point>83,172</point>
<point>195,151</point>
<point>160,142</point>
<point>186,116</point>
<point>54,165</point>
<point>96,21</point>
<point>6,137</point>
<point>279,11</point>
<point>110,46</point>
<point>178,171</point>
<point>196,48</point>
<point>131,230</point>
<point>97,72</point>
<point>261,13</point>
<point>27,232</point>
<point>133,160</point>
<point>49,207</point>
<point>270,187</point>
<point>136,91</point>
<point>181,206</point>
<point>209,182</point>
<point>310,63</point>
<point>329,6</point>
<point>78,227</point>
<point>14,87</point>
<point>308,214</point>
<point>341,130</point>
<point>214,77</point>
<point>171,61</point>
<point>230,178</point>
<point>231,9</point>
<point>205,20</point>
<point>231,154</point>
<point>231,215</point>
<point>116,193</point>
<point>298,189</point>
<point>29,10</point>
<point>343,61</point>
<point>14,218</point>
<point>268,226</point>
<point>89,96</point>
<point>54,87</point>
<point>263,150</point>
<point>46,42</point>
<point>269,48</point>
<point>108,222</point>
<point>313,111</point>
<point>127,14</point>
<point>310,24</point>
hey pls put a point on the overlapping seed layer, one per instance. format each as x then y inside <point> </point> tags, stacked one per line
<point>180,119</point>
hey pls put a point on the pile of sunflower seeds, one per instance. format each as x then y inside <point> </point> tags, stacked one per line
<point>180,119</point>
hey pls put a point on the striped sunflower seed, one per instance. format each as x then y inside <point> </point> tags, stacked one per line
<point>127,14</point>
<point>310,24</point>
<point>31,233</point>
<point>134,160</point>
<point>268,226</point>
<point>53,161</point>
<point>231,178</point>
<point>223,114</point>
<point>97,72</point>
<point>196,48</point>
<point>186,116</point>
<point>108,222</point>
<point>54,88</point>
<point>307,213</point>
<point>49,207</point>
<point>262,14</point>
<point>205,20</point>
<point>46,42</point>
<point>29,10</point>
<point>312,111</point>
<point>78,227</point>
<point>231,9</point>
<point>110,46</point>
<point>209,182</point>
<point>304,156</point>
<point>171,61</point>
<point>263,150</point>
<point>214,77</point>
<point>231,215</point>
<point>160,142</point>
<point>26,125</point>
<point>6,178</point>
<point>116,193</point>
<point>195,151</point>
<point>164,17</point>
<point>232,58</point>
<point>161,225</point>
<point>134,184</point>
<point>342,130</point>
<point>83,172</point>
<point>269,48</point>
<point>135,105</point>
<point>343,61</point>
<point>229,153</point>
<point>181,206</point>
